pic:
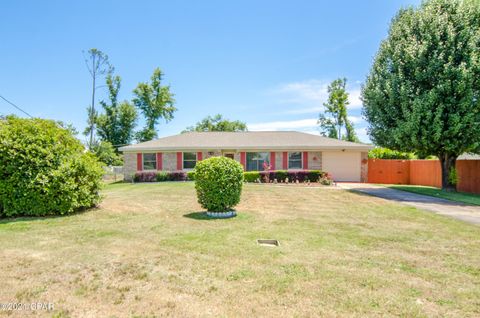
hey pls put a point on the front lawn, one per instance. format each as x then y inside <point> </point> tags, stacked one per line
<point>148,251</point>
<point>469,198</point>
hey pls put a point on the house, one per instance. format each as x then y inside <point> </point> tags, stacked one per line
<point>283,150</point>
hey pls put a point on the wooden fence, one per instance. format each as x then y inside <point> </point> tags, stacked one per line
<point>423,172</point>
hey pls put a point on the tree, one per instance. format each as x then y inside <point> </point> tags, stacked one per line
<point>155,102</point>
<point>217,123</point>
<point>335,118</point>
<point>118,121</point>
<point>105,152</point>
<point>422,93</point>
<point>97,64</point>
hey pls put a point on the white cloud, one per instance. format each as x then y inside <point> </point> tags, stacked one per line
<point>310,92</point>
<point>308,125</point>
<point>354,99</point>
<point>356,119</point>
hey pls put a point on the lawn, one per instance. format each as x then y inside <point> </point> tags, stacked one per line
<point>148,251</point>
<point>469,198</point>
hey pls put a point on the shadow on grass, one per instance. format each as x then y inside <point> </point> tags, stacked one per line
<point>198,216</point>
<point>6,220</point>
<point>202,216</point>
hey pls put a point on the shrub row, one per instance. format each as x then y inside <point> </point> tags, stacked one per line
<point>282,175</point>
<point>160,176</point>
<point>249,176</point>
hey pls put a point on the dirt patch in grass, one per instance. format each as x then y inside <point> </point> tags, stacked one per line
<point>341,254</point>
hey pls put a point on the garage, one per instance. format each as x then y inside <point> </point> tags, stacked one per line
<point>342,165</point>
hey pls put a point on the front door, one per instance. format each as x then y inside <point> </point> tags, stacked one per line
<point>230,155</point>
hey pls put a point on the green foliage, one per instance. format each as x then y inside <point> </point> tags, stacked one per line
<point>155,102</point>
<point>44,169</point>
<point>453,176</point>
<point>191,175</point>
<point>105,153</point>
<point>217,123</point>
<point>118,121</point>
<point>218,181</point>
<point>281,175</point>
<point>162,176</point>
<point>422,93</point>
<point>251,176</point>
<point>335,117</point>
<point>385,153</point>
<point>314,175</point>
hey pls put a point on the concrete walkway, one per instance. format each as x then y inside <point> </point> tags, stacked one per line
<point>462,211</point>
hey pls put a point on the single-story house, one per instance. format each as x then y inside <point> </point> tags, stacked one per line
<point>283,150</point>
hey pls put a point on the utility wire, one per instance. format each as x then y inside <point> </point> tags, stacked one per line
<point>16,106</point>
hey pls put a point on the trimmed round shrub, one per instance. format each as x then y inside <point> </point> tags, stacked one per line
<point>44,169</point>
<point>218,181</point>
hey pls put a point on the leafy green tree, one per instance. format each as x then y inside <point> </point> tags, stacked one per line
<point>155,102</point>
<point>335,117</point>
<point>217,123</point>
<point>105,152</point>
<point>423,90</point>
<point>116,125</point>
<point>385,153</point>
<point>98,65</point>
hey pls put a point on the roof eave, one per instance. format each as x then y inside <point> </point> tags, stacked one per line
<point>136,149</point>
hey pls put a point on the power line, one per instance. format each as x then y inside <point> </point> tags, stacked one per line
<point>16,106</point>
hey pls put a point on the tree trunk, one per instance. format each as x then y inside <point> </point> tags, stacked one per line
<point>447,161</point>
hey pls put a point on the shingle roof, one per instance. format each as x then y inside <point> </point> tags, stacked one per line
<point>251,140</point>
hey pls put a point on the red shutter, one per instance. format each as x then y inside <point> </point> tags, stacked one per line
<point>272,160</point>
<point>139,162</point>
<point>179,161</point>
<point>305,160</point>
<point>243,160</point>
<point>285,160</point>
<point>159,161</point>
<point>199,156</point>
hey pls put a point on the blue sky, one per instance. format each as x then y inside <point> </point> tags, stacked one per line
<point>267,63</point>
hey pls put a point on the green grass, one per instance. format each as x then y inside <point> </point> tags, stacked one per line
<point>149,251</point>
<point>469,198</point>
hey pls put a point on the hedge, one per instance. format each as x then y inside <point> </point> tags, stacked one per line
<point>160,176</point>
<point>44,169</point>
<point>249,176</point>
<point>282,175</point>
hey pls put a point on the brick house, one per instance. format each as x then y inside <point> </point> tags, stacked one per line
<point>283,150</point>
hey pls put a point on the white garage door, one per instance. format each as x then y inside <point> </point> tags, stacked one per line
<point>343,166</point>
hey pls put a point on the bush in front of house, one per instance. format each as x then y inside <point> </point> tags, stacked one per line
<point>160,176</point>
<point>191,175</point>
<point>282,175</point>
<point>218,181</point>
<point>44,169</point>
<point>251,176</point>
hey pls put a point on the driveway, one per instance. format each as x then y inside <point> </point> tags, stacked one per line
<point>457,210</point>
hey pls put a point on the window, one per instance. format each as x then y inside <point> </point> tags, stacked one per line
<point>255,160</point>
<point>189,160</point>
<point>149,161</point>
<point>294,160</point>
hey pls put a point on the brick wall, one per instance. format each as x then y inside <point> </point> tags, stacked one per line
<point>129,165</point>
